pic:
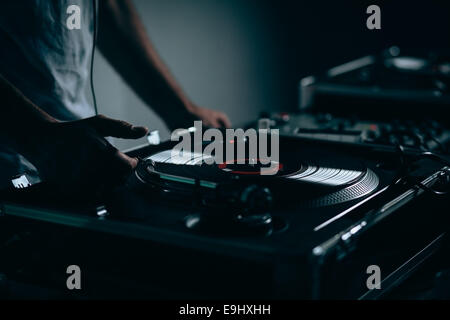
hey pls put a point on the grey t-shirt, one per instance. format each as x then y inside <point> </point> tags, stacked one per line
<point>47,61</point>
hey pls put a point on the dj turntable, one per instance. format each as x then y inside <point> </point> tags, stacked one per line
<point>180,228</point>
<point>378,102</point>
<point>305,178</point>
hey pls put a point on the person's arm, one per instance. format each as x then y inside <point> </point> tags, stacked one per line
<point>19,117</point>
<point>72,155</point>
<point>125,44</point>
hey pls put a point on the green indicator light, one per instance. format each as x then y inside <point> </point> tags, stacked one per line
<point>178,179</point>
<point>208,184</point>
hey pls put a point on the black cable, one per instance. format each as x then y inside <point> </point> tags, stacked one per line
<point>94,44</point>
<point>432,156</point>
<point>444,175</point>
<point>403,172</point>
<point>403,166</point>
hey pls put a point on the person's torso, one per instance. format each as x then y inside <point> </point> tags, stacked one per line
<point>44,58</point>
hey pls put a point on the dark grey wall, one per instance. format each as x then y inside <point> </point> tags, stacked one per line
<point>219,52</point>
<point>246,56</point>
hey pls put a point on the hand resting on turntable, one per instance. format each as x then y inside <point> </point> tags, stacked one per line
<point>70,156</point>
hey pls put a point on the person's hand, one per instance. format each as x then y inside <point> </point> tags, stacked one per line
<point>76,156</point>
<point>211,118</point>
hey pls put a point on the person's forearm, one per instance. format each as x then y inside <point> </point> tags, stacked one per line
<point>124,43</point>
<point>19,117</point>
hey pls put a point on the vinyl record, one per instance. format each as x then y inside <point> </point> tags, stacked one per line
<point>315,180</point>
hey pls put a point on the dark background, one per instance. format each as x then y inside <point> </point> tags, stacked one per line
<point>247,56</point>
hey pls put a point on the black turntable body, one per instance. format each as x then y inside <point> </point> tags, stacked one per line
<point>351,193</point>
<point>311,231</point>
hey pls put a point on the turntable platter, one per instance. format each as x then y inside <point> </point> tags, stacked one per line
<point>318,181</point>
